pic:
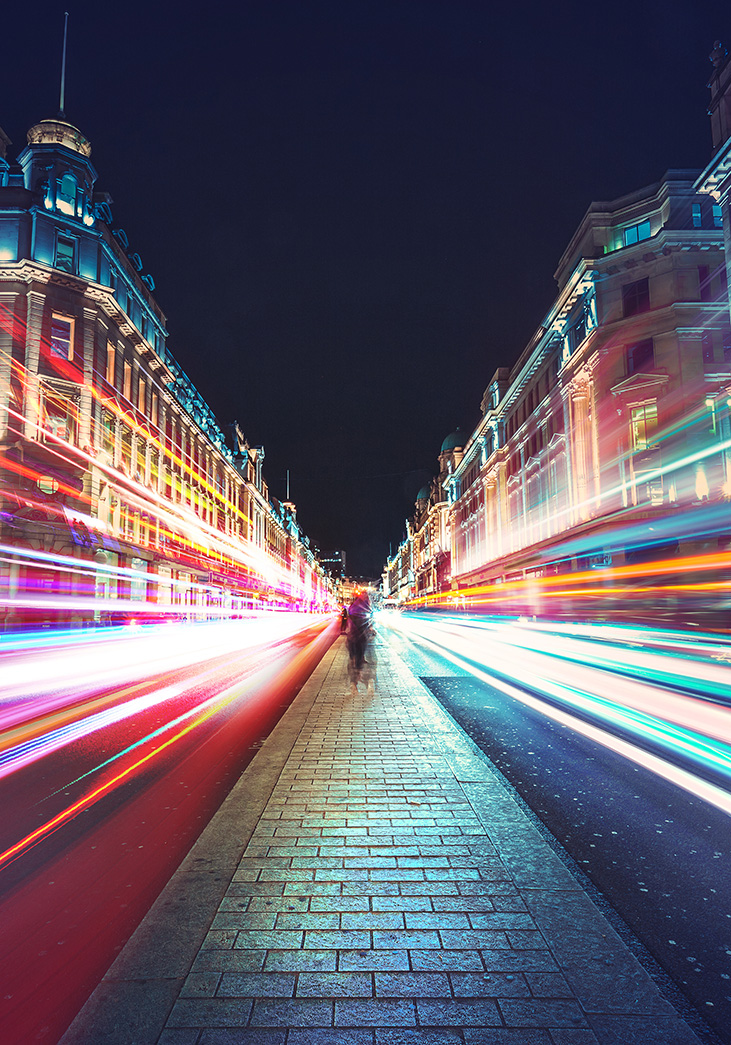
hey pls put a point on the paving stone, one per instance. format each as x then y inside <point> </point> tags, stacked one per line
<point>375,961</point>
<point>406,938</point>
<point>489,985</point>
<point>373,920</point>
<point>335,985</point>
<point>255,939</point>
<point>375,1012</point>
<point>411,985</point>
<point>229,961</point>
<point>401,903</point>
<point>451,1012</point>
<point>325,1036</point>
<point>447,961</point>
<point>210,1012</point>
<point>292,1012</point>
<point>420,1036</point>
<point>242,919</point>
<point>318,920</point>
<point>337,903</point>
<point>343,939</point>
<point>506,1036</point>
<point>256,985</point>
<point>275,904</point>
<point>438,920</point>
<point>296,961</point>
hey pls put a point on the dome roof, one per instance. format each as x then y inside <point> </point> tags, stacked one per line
<point>59,132</point>
<point>423,494</point>
<point>454,440</point>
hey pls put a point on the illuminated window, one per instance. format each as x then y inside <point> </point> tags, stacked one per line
<point>636,233</point>
<point>695,209</point>
<point>66,194</point>
<point>62,337</point>
<point>127,448</point>
<point>141,395</point>
<point>635,297</point>
<point>59,414</point>
<point>717,216</point>
<point>640,356</point>
<point>127,385</point>
<point>111,362</point>
<point>66,254</point>
<point>643,424</point>
<point>155,408</point>
<point>107,432</point>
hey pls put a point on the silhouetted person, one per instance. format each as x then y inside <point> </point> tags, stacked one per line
<point>344,620</point>
<point>361,660</point>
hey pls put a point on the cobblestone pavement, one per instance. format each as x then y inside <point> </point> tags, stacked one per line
<point>393,892</point>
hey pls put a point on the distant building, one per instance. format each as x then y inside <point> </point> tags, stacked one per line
<point>334,563</point>
<point>421,566</point>
<point>119,493</point>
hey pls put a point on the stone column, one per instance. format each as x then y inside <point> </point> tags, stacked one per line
<point>7,322</point>
<point>36,304</point>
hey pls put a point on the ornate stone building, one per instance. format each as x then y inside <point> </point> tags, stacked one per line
<point>120,495</point>
<point>609,439</point>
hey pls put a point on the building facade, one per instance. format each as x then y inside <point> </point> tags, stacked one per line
<point>608,442</point>
<point>120,494</point>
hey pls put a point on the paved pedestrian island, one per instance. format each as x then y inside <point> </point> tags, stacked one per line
<point>371,881</point>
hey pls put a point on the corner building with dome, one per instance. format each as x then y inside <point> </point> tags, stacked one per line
<point>121,498</point>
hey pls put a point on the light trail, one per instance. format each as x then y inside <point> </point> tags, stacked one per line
<point>665,707</point>
<point>76,687</point>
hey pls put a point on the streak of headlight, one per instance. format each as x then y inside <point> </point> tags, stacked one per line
<point>691,783</point>
<point>28,751</point>
<point>198,716</point>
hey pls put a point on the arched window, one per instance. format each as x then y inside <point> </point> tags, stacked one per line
<point>66,196</point>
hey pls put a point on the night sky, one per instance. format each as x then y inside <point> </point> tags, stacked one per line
<point>353,210</point>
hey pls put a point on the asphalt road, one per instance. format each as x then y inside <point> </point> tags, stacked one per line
<point>658,855</point>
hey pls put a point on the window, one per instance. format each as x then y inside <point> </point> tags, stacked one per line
<point>66,194</point>
<point>111,362</point>
<point>107,432</point>
<point>127,448</point>
<point>640,356</point>
<point>717,216</point>
<point>62,337</point>
<point>66,254</point>
<point>59,414</point>
<point>636,297</point>
<point>141,395</point>
<point>636,233</point>
<point>695,209</point>
<point>155,409</point>
<point>704,283</point>
<point>579,332</point>
<point>643,423</point>
<point>127,386</point>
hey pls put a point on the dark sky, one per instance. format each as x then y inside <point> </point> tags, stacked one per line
<point>353,209</point>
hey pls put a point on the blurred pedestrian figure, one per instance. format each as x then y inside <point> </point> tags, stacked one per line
<point>361,658</point>
<point>344,620</point>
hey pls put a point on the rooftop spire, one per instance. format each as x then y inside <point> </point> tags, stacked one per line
<point>61,112</point>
